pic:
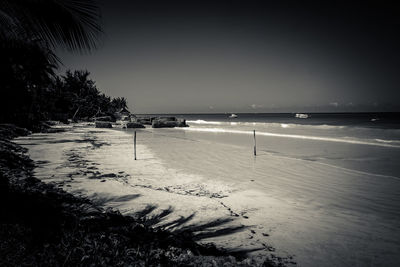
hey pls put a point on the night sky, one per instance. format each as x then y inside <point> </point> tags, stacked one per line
<point>247,56</point>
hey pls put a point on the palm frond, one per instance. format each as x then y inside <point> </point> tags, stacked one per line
<point>72,24</point>
<point>8,24</point>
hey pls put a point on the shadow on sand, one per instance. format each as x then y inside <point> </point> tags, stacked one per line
<point>182,226</point>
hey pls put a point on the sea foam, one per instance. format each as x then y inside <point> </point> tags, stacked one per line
<point>349,140</point>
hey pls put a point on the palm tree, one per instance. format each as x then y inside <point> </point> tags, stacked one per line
<point>30,30</point>
<point>119,103</point>
<point>72,24</point>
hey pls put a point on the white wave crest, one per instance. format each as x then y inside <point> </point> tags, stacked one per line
<point>388,141</point>
<point>205,122</point>
<point>371,142</point>
<point>269,124</point>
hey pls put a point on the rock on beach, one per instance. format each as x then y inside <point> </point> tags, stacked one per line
<point>103,124</point>
<point>134,125</point>
<point>168,122</point>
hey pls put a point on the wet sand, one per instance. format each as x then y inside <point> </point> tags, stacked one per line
<point>323,216</point>
<point>45,226</point>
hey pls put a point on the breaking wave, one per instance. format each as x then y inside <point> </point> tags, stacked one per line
<point>204,122</point>
<point>371,142</point>
<point>266,124</point>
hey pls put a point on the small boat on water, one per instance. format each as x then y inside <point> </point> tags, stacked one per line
<point>232,116</point>
<point>301,116</point>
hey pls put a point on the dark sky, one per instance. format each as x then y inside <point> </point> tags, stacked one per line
<point>247,56</point>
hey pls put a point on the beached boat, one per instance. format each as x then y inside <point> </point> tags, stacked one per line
<point>302,115</point>
<point>232,116</point>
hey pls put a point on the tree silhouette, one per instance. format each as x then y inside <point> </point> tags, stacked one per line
<point>30,30</point>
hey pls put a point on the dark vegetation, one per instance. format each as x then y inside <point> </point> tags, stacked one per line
<point>73,96</point>
<point>30,30</point>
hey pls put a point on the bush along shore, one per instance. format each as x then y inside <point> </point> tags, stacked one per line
<point>42,225</point>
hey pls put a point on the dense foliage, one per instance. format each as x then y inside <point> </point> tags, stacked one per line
<point>32,93</point>
<point>75,96</point>
<point>30,30</point>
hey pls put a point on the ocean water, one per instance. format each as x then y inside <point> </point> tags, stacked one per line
<point>325,190</point>
<point>365,142</point>
<point>328,185</point>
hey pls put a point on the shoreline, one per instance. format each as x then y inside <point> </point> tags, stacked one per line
<point>302,201</point>
<point>70,225</point>
<point>198,178</point>
<point>98,164</point>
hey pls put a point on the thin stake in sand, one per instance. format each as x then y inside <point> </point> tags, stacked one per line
<point>134,144</point>
<point>255,144</point>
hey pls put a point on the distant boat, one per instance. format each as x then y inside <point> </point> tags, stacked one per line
<point>232,116</point>
<point>301,116</point>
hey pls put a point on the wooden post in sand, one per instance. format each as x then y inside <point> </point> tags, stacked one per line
<point>134,144</point>
<point>255,144</point>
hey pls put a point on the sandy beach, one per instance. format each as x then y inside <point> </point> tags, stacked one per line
<point>316,212</point>
<point>199,133</point>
